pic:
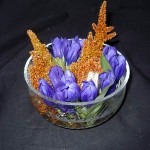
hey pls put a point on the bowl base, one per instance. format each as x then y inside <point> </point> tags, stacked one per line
<point>46,112</point>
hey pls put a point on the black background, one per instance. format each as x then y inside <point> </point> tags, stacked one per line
<point>21,127</point>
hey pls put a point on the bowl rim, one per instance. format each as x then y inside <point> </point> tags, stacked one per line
<point>74,103</point>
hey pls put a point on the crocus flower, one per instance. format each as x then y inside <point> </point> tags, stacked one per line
<point>89,91</point>
<point>106,78</point>
<point>70,92</point>
<point>58,47</point>
<point>55,75</point>
<point>72,53</point>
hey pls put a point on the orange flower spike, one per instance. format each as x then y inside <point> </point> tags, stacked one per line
<point>41,59</point>
<point>102,32</point>
<point>92,48</point>
<point>39,50</point>
<point>82,69</point>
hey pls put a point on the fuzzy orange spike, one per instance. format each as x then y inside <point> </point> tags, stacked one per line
<point>41,61</point>
<point>102,32</point>
<point>92,48</point>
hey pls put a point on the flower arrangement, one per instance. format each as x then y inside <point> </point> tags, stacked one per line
<point>77,71</point>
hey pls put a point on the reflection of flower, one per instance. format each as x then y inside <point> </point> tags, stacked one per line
<point>106,78</point>
<point>89,91</point>
<point>117,62</point>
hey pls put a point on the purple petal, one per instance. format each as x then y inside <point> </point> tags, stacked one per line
<point>45,88</point>
<point>68,76</point>
<point>59,96</point>
<point>72,53</point>
<point>89,91</point>
<point>105,50</point>
<point>65,43</point>
<point>114,62</point>
<point>106,79</point>
<point>57,48</point>
<point>73,91</point>
<point>81,42</point>
<point>55,75</point>
<point>120,69</point>
<point>111,53</point>
<point>111,89</point>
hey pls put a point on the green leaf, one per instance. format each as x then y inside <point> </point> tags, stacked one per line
<point>105,64</point>
<point>94,110</point>
<point>67,67</point>
<point>85,112</point>
<point>81,111</point>
<point>60,62</point>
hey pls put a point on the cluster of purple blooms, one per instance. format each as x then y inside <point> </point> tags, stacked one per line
<point>69,49</point>
<point>118,64</point>
<point>64,86</point>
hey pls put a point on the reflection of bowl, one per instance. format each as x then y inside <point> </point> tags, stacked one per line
<point>100,109</point>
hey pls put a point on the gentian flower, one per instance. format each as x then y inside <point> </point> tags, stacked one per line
<point>111,89</point>
<point>58,47</point>
<point>66,88</point>
<point>89,91</point>
<point>117,62</point>
<point>68,76</point>
<point>106,78</point>
<point>109,52</point>
<point>46,90</point>
<point>55,75</point>
<point>72,53</point>
<point>70,92</point>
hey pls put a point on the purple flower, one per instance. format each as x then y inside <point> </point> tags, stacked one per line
<point>117,62</point>
<point>55,75</point>
<point>70,92</point>
<point>109,52</point>
<point>58,47</point>
<point>68,76</point>
<point>111,89</point>
<point>89,91</point>
<point>106,78</point>
<point>46,90</point>
<point>64,83</point>
<point>72,53</point>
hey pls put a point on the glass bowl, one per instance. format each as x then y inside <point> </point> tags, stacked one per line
<point>77,115</point>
